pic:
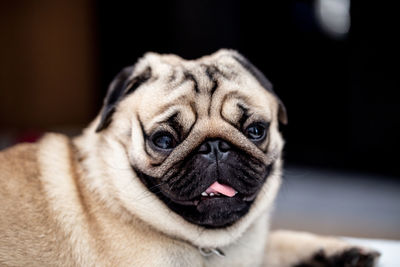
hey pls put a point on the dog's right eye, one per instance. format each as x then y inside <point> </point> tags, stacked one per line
<point>164,140</point>
<point>256,132</point>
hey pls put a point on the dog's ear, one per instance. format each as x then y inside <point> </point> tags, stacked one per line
<point>253,70</point>
<point>122,85</point>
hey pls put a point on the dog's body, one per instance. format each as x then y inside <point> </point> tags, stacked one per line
<point>182,164</point>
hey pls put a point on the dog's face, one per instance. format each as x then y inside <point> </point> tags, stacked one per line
<point>200,135</point>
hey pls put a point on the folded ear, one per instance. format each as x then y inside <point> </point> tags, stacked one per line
<point>282,115</point>
<point>122,85</point>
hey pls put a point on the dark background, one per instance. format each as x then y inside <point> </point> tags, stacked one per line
<point>340,92</point>
<point>341,95</point>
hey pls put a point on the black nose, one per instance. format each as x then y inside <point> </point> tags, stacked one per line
<point>214,149</point>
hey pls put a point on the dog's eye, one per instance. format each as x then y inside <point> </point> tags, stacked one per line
<point>256,132</point>
<point>164,140</point>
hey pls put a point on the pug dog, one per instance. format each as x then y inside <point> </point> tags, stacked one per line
<point>180,168</point>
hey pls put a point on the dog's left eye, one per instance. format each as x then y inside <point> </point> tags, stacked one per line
<point>256,132</point>
<point>164,140</point>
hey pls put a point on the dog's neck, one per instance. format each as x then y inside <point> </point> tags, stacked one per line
<point>248,250</point>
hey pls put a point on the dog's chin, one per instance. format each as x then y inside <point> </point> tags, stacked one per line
<point>210,212</point>
<point>217,211</point>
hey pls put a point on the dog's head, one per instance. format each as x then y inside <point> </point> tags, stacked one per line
<point>191,145</point>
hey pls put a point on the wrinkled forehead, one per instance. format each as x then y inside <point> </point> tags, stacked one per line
<point>172,69</point>
<point>211,86</point>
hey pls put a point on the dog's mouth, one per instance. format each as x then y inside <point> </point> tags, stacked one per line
<point>216,192</point>
<point>218,204</point>
<point>219,189</point>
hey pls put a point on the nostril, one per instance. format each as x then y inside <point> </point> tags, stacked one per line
<point>214,148</point>
<point>223,146</point>
<point>205,148</point>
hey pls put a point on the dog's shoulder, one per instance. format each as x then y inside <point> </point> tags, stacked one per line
<point>28,231</point>
<point>24,168</point>
<point>21,188</point>
<point>18,165</point>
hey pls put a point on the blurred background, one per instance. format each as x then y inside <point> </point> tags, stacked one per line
<point>334,63</point>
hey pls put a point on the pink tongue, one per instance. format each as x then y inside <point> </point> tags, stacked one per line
<point>222,189</point>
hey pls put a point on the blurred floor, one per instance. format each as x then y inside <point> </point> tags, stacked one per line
<point>338,203</point>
